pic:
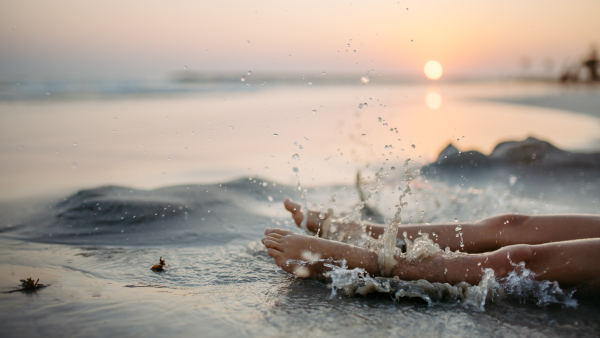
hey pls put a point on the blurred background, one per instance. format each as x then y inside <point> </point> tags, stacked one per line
<point>154,93</point>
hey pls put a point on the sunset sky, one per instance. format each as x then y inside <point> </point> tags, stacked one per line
<point>86,39</point>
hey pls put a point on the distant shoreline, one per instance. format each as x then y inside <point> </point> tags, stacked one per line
<point>587,103</point>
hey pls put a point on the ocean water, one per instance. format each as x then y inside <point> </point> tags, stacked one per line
<point>91,218</point>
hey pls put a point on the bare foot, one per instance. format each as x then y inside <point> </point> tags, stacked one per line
<point>285,245</point>
<point>313,223</point>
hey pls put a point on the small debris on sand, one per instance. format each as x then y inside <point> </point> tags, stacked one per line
<point>29,285</point>
<point>159,267</point>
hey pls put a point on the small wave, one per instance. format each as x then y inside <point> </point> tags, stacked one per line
<point>517,285</point>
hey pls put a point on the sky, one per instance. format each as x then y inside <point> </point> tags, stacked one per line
<point>151,38</point>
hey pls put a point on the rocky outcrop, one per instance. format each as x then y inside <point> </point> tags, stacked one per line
<point>528,156</point>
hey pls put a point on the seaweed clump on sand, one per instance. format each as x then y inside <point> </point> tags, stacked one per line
<point>159,267</point>
<point>29,285</point>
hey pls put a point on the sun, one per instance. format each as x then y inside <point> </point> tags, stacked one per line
<point>433,70</point>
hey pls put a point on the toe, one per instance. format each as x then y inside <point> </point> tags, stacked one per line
<point>282,232</point>
<point>274,253</point>
<point>273,244</point>
<point>291,206</point>
<point>274,235</point>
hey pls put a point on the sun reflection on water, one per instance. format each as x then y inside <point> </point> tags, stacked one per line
<point>433,100</point>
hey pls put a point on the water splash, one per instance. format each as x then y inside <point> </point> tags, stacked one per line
<point>519,284</point>
<point>358,281</point>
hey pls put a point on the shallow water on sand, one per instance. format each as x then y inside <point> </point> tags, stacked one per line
<point>58,146</point>
<point>95,248</point>
<point>101,283</point>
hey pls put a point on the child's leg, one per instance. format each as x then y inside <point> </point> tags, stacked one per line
<point>569,263</point>
<point>485,235</point>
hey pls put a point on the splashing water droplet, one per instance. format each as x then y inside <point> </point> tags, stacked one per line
<point>243,79</point>
<point>295,157</point>
<point>322,215</point>
<point>364,80</point>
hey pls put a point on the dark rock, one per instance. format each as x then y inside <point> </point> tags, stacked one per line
<point>528,156</point>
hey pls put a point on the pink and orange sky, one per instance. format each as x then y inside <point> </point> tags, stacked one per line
<point>80,39</point>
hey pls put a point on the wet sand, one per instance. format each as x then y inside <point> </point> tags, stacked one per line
<point>219,279</point>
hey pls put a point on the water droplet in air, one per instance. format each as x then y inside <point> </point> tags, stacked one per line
<point>360,106</point>
<point>184,67</point>
<point>296,170</point>
<point>74,165</point>
<point>379,119</point>
<point>322,215</point>
<point>242,79</point>
<point>458,227</point>
<point>364,80</point>
<point>275,135</point>
<point>393,168</point>
<point>411,40</point>
<point>413,146</point>
<point>295,157</point>
<point>310,83</point>
<point>249,72</point>
<point>314,111</point>
<point>301,147</point>
<point>363,135</point>
<point>270,198</point>
<point>231,127</point>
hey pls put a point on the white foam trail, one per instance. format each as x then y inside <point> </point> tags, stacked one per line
<point>518,284</point>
